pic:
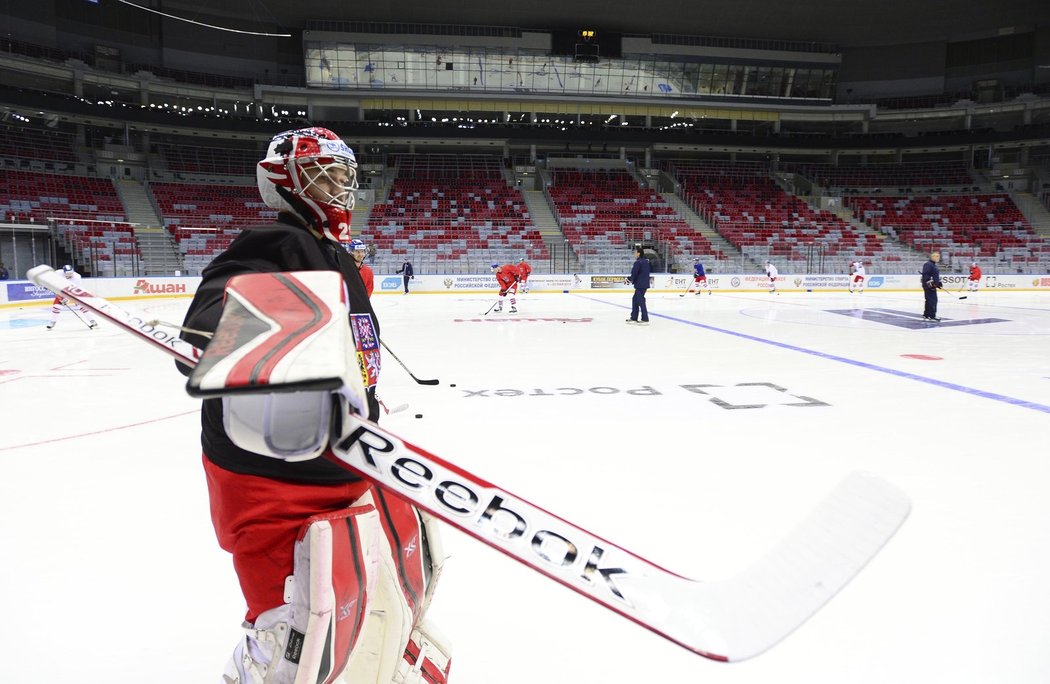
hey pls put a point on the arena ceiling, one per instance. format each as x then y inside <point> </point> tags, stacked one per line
<point>842,22</point>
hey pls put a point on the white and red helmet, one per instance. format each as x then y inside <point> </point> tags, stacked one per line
<point>289,176</point>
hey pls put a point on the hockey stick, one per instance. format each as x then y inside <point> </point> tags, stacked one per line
<point>952,294</point>
<point>699,288</point>
<point>727,620</point>
<point>491,307</point>
<point>79,317</point>
<point>397,409</point>
<point>421,382</point>
<point>688,288</point>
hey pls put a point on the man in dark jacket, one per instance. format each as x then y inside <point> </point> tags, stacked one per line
<point>931,280</point>
<point>640,279</point>
<point>272,513</point>
<point>406,269</point>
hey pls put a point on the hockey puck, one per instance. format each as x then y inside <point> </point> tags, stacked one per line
<point>452,384</point>
<point>419,415</point>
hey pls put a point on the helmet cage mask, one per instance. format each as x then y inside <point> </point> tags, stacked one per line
<point>301,175</point>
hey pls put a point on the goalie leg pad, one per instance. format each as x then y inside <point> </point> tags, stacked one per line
<point>418,552</point>
<point>435,556</point>
<point>403,591</point>
<point>363,578</point>
<point>427,657</point>
<point>311,637</point>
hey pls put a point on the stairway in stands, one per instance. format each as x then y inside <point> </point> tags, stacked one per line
<point>159,254</point>
<point>565,260</point>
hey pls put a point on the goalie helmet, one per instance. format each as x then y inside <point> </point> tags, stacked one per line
<point>67,271</point>
<point>310,172</point>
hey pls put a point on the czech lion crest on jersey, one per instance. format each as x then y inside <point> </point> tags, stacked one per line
<point>367,344</point>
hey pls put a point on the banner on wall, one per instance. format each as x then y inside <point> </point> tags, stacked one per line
<point>670,282</point>
<point>108,288</point>
<point>24,291</point>
<point>21,291</point>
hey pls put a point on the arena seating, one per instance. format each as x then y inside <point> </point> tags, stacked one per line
<point>969,226</point>
<point>31,197</point>
<point>456,212</point>
<point>204,219</point>
<point>603,213</point>
<point>215,161</point>
<point>199,246</point>
<point>20,142</point>
<point>86,211</point>
<point>765,222</point>
<point>210,207</point>
<point>903,175</point>
<point>107,249</point>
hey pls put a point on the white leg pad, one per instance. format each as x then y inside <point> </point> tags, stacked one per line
<point>427,657</point>
<point>436,553</point>
<point>312,636</point>
<point>380,657</point>
<point>347,619</point>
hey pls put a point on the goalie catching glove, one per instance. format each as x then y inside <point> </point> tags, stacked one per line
<point>288,361</point>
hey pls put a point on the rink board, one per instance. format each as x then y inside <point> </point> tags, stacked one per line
<point>24,293</point>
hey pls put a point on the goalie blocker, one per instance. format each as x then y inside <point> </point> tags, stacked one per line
<point>289,369</point>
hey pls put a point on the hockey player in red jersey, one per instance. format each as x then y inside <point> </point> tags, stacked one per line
<point>368,277</point>
<point>507,277</point>
<point>301,529</point>
<point>524,270</point>
<point>974,281</point>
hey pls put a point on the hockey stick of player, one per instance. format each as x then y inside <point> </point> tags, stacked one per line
<point>727,620</point>
<point>688,288</point>
<point>79,317</point>
<point>952,294</point>
<point>498,300</point>
<point>396,409</point>
<point>421,382</point>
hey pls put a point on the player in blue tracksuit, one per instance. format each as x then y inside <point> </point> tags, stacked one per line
<point>406,268</point>
<point>640,279</point>
<point>699,278</point>
<point>931,280</point>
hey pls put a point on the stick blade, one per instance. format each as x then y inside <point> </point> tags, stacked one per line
<point>744,616</point>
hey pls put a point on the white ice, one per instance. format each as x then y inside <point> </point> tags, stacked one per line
<point>111,573</point>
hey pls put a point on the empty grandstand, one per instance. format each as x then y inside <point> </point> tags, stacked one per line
<point>454,214</point>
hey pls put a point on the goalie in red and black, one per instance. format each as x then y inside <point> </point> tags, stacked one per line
<point>302,529</point>
<point>507,277</point>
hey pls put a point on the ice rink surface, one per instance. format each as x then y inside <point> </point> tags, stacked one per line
<point>696,442</point>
